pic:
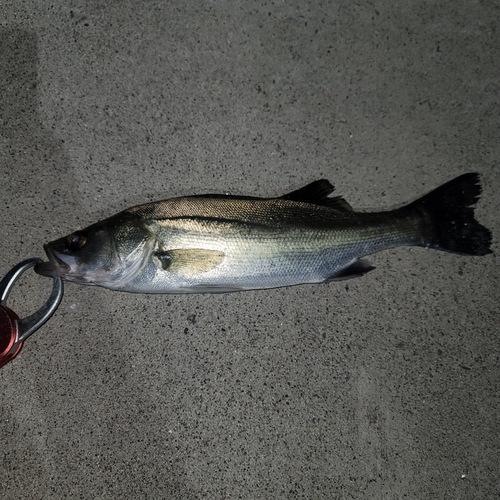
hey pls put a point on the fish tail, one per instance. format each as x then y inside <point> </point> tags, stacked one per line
<point>449,210</point>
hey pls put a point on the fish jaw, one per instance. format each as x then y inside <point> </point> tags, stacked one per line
<point>60,264</point>
<point>56,266</point>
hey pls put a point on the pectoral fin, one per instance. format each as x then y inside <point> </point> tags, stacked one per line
<point>189,261</point>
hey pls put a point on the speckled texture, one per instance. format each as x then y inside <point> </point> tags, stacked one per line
<point>382,387</point>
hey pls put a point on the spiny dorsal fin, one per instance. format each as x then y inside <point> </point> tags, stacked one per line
<point>317,193</point>
<point>189,261</point>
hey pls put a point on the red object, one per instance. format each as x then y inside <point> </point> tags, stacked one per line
<point>10,347</point>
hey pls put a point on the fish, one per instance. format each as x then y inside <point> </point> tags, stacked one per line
<point>221,243</point>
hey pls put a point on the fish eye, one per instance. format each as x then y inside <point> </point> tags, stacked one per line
<point>76,241</point>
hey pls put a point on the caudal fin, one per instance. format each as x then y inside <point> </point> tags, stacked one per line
<point>450,209</point>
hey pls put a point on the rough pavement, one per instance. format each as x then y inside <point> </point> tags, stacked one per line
<point>382,387</point>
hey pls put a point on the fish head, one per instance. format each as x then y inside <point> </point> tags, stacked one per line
<point>106,254</point>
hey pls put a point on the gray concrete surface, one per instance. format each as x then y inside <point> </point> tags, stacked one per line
<point>382,387</point>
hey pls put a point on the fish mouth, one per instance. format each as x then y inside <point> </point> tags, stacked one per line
<point>55,267</point>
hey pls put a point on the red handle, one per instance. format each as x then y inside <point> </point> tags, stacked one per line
<point>9,346</point>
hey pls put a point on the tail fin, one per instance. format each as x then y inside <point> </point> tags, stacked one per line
<point>450,209</point>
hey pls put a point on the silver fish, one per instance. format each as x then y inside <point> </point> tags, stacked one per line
<point>218,243</point>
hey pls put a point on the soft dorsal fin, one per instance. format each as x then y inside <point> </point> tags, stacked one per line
<point>317,193</point>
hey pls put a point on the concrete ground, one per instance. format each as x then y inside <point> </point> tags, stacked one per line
<point>381,387</point>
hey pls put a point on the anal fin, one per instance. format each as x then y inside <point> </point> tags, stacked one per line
<point>355,270</point>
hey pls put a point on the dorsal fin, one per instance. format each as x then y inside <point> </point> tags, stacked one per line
<point>317,193</point>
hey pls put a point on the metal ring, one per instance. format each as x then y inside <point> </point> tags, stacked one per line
<point>29,325</point>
